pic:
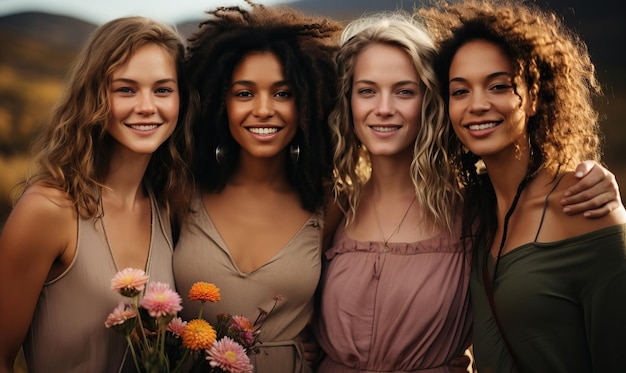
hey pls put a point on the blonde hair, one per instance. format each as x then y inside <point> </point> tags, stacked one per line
<point>434,179</point>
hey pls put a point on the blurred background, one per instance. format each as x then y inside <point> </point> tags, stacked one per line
<point>40,38</point>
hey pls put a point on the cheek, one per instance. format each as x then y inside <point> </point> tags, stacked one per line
<point>454,110</point>
<point>358,110</point>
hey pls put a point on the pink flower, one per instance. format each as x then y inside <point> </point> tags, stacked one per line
<point>229,356</point>
<point>241,323</point>
<point>176,326</point>
<point>160,300</point>
<point>129,282</point>
<point>120,314</point>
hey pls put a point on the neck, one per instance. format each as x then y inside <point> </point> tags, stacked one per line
<point>124,180</point>
<point>258,172</point>
<point>391,177</point>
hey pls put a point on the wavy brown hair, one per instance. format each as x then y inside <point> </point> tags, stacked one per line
<point>306,48</point>
<point>548,58</point>
<point>434,179</point>
<point>72,153</point>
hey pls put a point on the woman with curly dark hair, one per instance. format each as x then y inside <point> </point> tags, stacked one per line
<point>110,171</point>
<point>548,290</point>
<point>262,163</point>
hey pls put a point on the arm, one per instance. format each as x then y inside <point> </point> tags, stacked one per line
<point>34,235</point>
<point>595,195</point>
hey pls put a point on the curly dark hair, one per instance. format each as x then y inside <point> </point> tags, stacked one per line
<point>306,47</point>
<point>548,58</point>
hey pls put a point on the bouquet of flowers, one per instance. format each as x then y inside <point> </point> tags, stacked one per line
<point>159,341</point>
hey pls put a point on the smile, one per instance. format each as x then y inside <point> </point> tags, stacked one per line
<point>143,127</point>
<point>483,126</point>
<point>385,128</point>
<point>263,131</point>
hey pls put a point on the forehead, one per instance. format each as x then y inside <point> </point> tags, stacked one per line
<point>384,62</point>
<point>480,57</point>
<point>258,64</point>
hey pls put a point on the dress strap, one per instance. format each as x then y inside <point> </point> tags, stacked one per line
<point>545,207</point>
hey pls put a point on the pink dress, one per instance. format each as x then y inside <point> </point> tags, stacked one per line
<point>403,309</point>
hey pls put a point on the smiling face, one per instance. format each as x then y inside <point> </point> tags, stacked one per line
<point>386,100</point>
<point>485,111</point>
<point>144,100</point>
<point>261,106</point>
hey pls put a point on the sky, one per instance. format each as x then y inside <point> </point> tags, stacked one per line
<point>98,12</point>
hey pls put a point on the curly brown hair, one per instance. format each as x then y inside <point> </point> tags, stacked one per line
<point>306,47</point>
<point>72,152</point>
<point>548,58</point>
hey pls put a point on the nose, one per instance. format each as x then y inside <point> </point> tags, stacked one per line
<point>146,103</point>
<point>384,106</point>
<point>479,102</point>
<point>264,107</point>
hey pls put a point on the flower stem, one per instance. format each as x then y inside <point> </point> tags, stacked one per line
<point>132,351</point>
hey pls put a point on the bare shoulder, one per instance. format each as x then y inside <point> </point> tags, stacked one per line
<point>573,225</point>
<point>42,222</point>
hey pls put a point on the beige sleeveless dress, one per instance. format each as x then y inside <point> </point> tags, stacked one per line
<point>202,255</point>
<point>67,333</point>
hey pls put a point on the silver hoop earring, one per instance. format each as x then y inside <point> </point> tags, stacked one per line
<point>219,154</point>
<point>294,152</point>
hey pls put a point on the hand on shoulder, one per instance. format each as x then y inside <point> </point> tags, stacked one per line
<point>573,225</point>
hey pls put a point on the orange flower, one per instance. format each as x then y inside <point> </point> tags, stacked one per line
<point>203,291</point>
<point>198,335</point>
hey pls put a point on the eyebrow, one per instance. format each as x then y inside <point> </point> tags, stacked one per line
<point>252,83</point>
<point>490,76</point>
<point>402,82</point>
<point>131,81</point>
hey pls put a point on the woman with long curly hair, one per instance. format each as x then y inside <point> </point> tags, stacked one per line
<point>266,80</point>
<point>548,290</point>
<point>110,173</point>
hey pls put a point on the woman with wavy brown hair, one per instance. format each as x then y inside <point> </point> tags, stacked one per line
<point>110,172</point>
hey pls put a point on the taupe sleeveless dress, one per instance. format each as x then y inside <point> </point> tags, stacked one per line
<point>67,333</point>
<point>202,255</point>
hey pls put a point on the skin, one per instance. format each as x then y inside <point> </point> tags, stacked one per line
<point>487,115</point>
<point>386,100</point>
<point>481,92</point>
<point>27,260</point>
<point>258,199</point>
<point>386,107</point>
<point>261,107</point>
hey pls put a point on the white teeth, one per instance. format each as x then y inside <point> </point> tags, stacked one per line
<point>142,127</point>
<point>263,131</point>
<point>385,128</point>
<point>484,126</point>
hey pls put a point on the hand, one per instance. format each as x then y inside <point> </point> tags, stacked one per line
<point>459,364</point>
<point>312,351</point>
<point>595,195</point>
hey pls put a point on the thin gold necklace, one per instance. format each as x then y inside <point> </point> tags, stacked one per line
<point>386,240</point>
<point>106,236</point>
